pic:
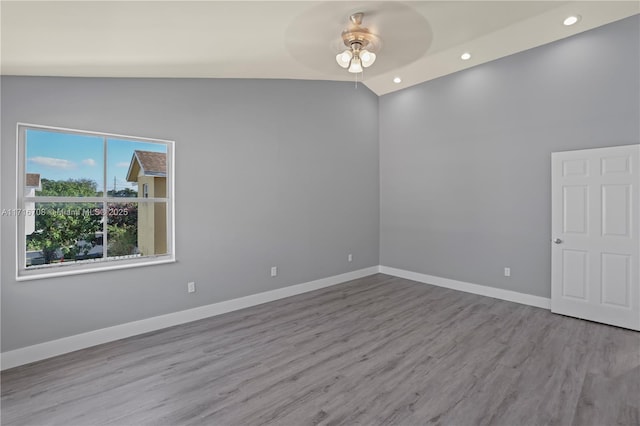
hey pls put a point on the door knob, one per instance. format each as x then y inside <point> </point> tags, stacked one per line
<point>557,241</point>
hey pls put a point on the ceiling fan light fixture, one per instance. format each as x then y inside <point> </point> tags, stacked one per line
<point>356,65</point>
<point>361,44</point>
<point>344,58</point>
<point>368,58</point>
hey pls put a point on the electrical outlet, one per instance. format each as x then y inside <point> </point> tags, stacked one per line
<point>191,287</point>
<point>507,272</point>
<point>349,257</point>
<point>274,271</point>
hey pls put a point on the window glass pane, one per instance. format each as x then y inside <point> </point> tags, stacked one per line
<point>122,229</point>
<point>63,164</point>
<point>137,228</point>
<point>131,164</point>
<point>63,232</point>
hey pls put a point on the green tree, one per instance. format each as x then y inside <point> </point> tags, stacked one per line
<point>69,188</point>
<point>122,229</point>
<point>125,193</point>
<point>59,226</point>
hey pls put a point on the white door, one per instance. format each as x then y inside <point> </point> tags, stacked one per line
<point>595,239</point>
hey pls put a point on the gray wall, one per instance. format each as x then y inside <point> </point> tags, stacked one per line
<point>465,159</point>
<point>287,174</point>
<point>268,173</point>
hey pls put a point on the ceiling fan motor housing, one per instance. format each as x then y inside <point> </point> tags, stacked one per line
<point>358,37</point>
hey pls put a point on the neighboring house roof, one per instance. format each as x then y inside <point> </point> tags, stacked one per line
<point>33,180</point>
<point>147,163</point>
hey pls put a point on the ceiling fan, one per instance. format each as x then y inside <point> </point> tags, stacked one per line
<point>355,34</point>
<point>361,46</point>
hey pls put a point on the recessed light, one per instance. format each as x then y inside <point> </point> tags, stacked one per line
<point>397,80</point>
<point>465,56</point>
<point>570,20</point>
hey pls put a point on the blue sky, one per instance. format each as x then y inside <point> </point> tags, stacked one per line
<point>62,156</point>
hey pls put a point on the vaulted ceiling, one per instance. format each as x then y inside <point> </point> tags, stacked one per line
<point>421,40</point>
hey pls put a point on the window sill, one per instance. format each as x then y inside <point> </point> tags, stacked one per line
<point>65,270</point>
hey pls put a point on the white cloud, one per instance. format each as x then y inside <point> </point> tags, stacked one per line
<point>122,164</point>
<point>89,162</point>
<point>57,163</point>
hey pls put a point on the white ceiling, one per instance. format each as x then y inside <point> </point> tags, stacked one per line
<point>288,39</point>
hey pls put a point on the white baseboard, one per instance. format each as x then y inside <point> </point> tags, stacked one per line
<point>53,348</point>
<point>483,290</point>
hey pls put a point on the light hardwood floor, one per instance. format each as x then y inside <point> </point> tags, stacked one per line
<point>378,350</point>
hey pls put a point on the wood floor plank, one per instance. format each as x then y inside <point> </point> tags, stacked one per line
<point>374,351</point>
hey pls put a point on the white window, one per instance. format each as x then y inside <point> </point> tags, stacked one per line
<point>81,206</point>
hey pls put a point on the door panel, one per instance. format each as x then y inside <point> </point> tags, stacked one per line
<point>575,167</point>
<point>576,205</point>
<point>616,210</point>
<point>574,277</point>
<point>595,237</point>
<point>616,165</point>
<point>616,279</point>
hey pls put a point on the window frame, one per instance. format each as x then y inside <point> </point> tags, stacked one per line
<point>105,264</point>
